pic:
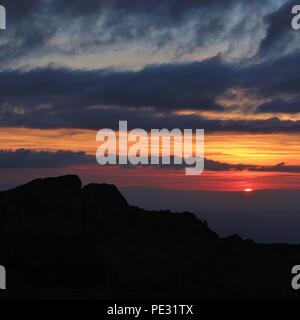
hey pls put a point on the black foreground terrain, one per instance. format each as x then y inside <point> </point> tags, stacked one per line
<point>59,240</point>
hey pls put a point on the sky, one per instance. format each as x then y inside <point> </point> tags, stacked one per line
<point>71,68</point>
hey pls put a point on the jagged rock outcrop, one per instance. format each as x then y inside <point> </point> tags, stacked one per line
<point>58,239</point>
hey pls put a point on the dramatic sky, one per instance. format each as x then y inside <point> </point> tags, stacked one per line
<point>70,68</point>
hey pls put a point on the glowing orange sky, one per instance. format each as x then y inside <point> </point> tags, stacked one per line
<point>259,149</point>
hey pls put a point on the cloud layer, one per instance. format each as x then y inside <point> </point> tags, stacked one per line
<point>150,98</point>
<point>213,64</point>
<point>45,31</point>
<point>23,158</point>
<point>30,159</point>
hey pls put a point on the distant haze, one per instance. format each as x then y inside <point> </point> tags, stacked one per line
<point>264,216</point>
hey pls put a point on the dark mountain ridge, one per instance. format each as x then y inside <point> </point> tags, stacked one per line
<point>59,240</point>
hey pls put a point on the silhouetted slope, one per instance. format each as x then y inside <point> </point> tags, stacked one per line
<point>60,240</point>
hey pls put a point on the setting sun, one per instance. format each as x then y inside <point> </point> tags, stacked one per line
<point>248,190</point>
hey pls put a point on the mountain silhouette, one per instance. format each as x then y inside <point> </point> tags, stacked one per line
<point>59,240</point>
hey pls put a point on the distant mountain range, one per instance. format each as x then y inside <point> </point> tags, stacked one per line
<point>59,240</point>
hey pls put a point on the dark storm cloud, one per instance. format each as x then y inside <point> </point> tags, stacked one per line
<point>162,87</point>
<point>95,25</point>
<point>58,97</point>
<point>33,24</point>
<point>26,32</point>
<point>274,77</point>
<point>280,167</point>
<point>25,158</point>
<point>282,106</point>
<point>278,81</point>
<point>212,165</point>
<point>51,98</point>
<point>280,34</point>
<point>42,159</point>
